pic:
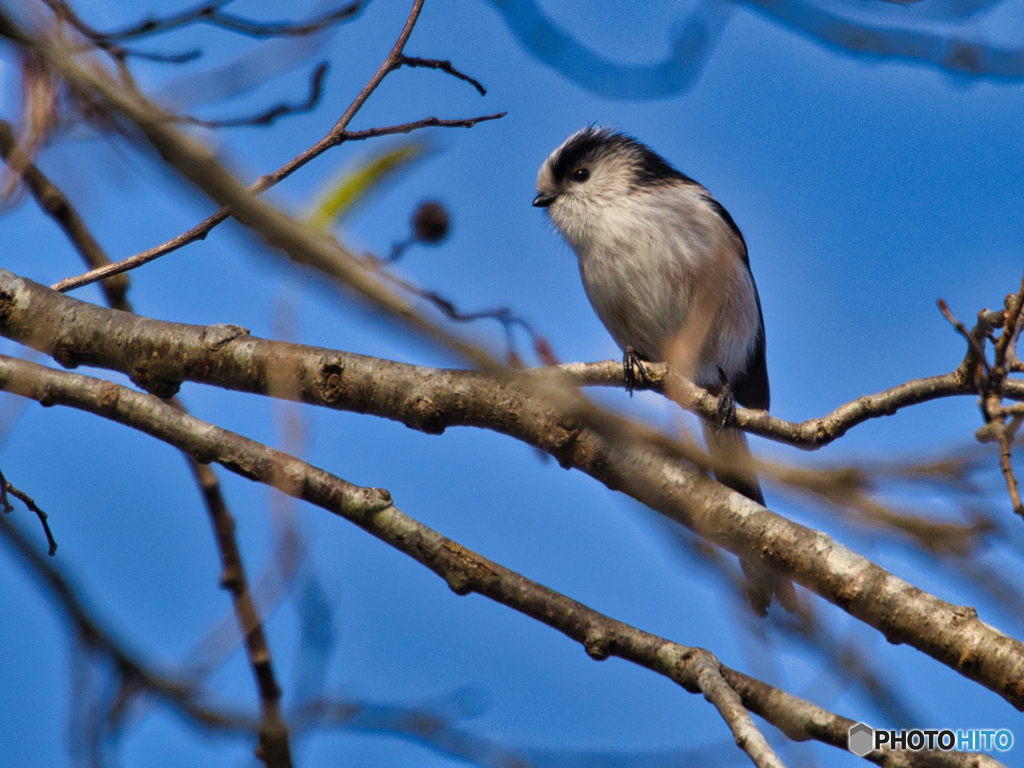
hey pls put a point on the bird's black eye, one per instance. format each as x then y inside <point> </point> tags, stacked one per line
<point>581,174</point>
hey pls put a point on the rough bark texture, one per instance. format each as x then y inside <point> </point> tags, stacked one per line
<point>159,356</point>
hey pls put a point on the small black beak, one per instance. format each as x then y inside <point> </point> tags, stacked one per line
<point>543,201</point>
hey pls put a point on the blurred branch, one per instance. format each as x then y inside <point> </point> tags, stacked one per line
<point>268,591</point>
<point>135,678</point>
<point>269,116</point>
<point>435,729</point>
<point>208,13</point>
<point>806,627</point>
<point>521,405</point>
<point>691,41</point>
<point>884,31</point>
<point>63,12</point>
<point>503,315</point>
<point>180,694</point>
<point>273,748</point>
<point>56,205</point>
<point>273,733</point>
<point>890,36</point>
<point>53,201</point>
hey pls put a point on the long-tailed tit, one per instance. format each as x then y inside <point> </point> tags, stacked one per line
<point>666,269</point>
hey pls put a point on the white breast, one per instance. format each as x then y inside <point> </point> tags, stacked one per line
<point>659,264</point>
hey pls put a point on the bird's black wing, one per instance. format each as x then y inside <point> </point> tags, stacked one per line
<point>750,388</point>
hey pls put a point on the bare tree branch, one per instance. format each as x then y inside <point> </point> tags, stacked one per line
<point>431,400</point>
<point>56,205</point>
<point>465,572</point>
<point>269,116</point>
<point>273,733</point>
<point>337,135</point>
<point>211,13</point>
<point>273,748</point>
<point>415,125</point>
<point>812,433</point>
<point>444,66</point>
<point>6,508</point>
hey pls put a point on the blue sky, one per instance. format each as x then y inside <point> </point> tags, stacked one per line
<point>865,189</point>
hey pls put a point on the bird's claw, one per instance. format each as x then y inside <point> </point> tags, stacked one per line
<point>633,371</point>
<point>725,411</point>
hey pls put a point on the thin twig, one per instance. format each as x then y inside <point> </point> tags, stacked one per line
<point>55,204</point>
<point>392,62</point>
<point>444,66</point>
<point>415,125</point>
<point>201,230</point>
<point>269,116</point>
<point>273,733</point>
<point>7,508</point>
<point>273,749</point>
<point>210,13</point>
<point>198,232</point>
<point>503,315</point>
<point>972,342</point>
<point>336,136</point>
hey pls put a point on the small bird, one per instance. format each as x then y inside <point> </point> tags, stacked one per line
<point>666,270</point>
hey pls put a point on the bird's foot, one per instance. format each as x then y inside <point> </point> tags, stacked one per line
<point>725,411</point>
<point>633,371</point>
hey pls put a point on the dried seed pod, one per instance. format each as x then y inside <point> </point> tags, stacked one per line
<point>431,222</point>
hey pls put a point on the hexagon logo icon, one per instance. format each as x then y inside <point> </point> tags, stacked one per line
<point>862,739</point>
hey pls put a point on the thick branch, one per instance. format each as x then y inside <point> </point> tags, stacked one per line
<point>158,356</point>
<point>373,510</point>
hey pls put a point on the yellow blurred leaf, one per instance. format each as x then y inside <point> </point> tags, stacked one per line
<point>355,182</point>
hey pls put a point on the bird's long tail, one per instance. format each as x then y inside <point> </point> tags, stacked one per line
<point>734,468</point>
